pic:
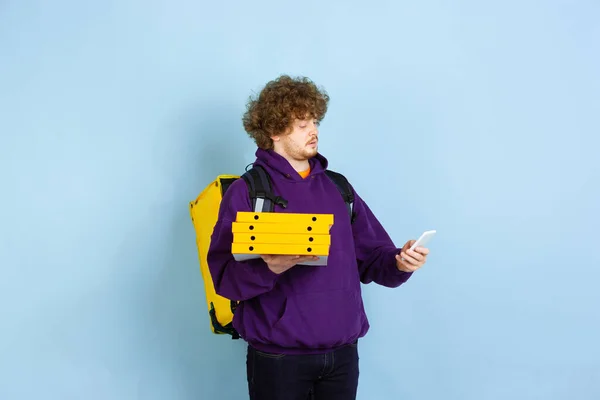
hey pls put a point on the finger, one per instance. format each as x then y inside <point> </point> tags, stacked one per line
<point>309,258</point>
<point>406,266</point>
<point>286,257</point>
<point>408,258</point>
<point>415,255</point>
<point>422,250</point>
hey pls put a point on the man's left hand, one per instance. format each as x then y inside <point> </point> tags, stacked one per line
<point>411,260</point>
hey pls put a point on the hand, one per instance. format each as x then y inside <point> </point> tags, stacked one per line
<point>411,260</point>
<point>281,263</point>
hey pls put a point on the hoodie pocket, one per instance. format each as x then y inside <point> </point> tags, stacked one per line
<point>320,320</point>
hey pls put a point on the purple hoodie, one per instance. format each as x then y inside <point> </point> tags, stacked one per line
<point>307,309</point>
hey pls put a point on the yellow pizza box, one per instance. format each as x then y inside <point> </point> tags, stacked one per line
<point>282,238</point>
<point>293,218</point>
<point>252,227</point>
<point>277,248</point>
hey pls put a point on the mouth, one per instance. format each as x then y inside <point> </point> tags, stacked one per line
<point>312,143</point>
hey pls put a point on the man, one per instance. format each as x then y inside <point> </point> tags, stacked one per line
<point>302,322</point>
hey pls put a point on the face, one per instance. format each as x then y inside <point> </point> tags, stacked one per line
<point>301,143</point>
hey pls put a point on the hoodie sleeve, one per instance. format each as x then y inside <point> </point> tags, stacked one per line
<point>375,251</point>
<point>233,279</point>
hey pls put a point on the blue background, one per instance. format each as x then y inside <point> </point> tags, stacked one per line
<point>477,119</point>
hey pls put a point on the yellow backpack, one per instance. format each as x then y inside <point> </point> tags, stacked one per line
<point>204,211</point>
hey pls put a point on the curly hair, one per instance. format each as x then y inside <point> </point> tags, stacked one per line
<point>279,103</point>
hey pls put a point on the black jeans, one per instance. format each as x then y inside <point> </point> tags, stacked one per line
<point>330,376</point>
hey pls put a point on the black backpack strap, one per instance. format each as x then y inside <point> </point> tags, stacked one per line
<point>261,191</point>
<point>345,190</point>
<point>228,329</point>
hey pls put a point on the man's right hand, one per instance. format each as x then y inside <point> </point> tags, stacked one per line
<point>281,263</point>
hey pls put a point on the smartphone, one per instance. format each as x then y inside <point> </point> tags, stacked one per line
<point>424,239</point>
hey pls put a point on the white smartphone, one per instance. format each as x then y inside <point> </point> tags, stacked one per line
<point>424,239</point>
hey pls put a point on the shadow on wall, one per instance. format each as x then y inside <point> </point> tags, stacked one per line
<point>196,362</point>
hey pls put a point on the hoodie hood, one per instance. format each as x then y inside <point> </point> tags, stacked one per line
<point>280,168</point>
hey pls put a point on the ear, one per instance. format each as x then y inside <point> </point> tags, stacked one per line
<point>275,138</point>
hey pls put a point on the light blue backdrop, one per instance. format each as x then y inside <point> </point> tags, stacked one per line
<point>478,120</point>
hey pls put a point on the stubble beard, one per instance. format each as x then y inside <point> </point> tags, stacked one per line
<point>300,153</point>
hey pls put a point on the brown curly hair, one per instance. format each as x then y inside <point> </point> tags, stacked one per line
<point>279,103</point>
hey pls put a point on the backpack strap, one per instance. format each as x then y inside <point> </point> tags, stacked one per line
<point>345,190</point>
<point>228,328</point>
<point>261,190</point>
<point>263,199</point>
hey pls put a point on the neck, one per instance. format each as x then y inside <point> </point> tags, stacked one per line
<point>298,165</point>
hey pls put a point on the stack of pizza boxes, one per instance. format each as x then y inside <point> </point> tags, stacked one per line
<point>260,233</point>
